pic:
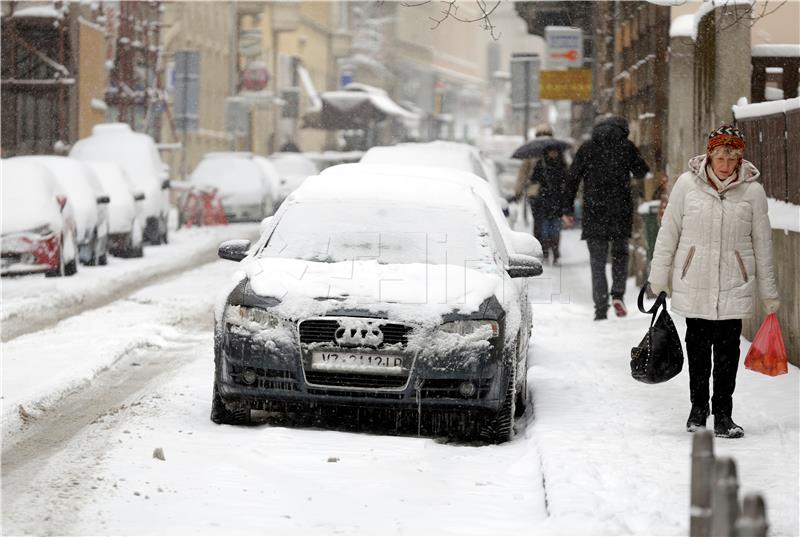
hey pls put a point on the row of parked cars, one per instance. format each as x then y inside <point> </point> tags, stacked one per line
<point>109,196</point>
<point>392,284</point>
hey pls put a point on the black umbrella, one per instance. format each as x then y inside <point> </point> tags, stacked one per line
<point>536,147</point>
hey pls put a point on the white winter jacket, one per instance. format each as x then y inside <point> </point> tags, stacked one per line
<point>713,246</point>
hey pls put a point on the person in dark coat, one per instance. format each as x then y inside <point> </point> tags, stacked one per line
<point>605,164</point>
<point>550,173</point>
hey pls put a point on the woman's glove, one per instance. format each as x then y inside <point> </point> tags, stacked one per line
<point>657,290</point>
<point>772,305</point>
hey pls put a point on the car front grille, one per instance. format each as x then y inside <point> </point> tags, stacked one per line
<point>324,330</point>
<point>355,380</point>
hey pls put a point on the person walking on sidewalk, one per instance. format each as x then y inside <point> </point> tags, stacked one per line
<point>550,173</point>
<point>605,164</point>
<point>712,253</point>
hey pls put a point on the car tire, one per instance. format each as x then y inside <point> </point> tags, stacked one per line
<point>499,426</point>
<point>103,259</point>
<point>60,270</point>
<point>521,402</point>
<point>232,414</point>
<point>93,246</point>
<point>71,267</point>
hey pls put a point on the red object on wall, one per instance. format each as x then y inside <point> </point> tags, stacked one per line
<point>255,76</point>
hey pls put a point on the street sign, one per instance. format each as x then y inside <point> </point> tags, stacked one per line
<point>187,90</point>
<point>571,85</point>
<point>564,47</point>
<point>524,80</point>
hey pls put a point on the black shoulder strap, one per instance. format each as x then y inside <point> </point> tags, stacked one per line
<point>661,300</point>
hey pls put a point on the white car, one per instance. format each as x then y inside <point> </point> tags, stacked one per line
<point>125,213</point>
<point>89,201</point>
<point>454,155</point>
<point>293,168</point>
<point>38,223</point>
<point>241,183</point>
<point>136,153</point>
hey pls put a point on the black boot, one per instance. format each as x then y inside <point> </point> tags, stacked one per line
<point>725,428</point>
<point>601,314</point>
<point>697,418</point>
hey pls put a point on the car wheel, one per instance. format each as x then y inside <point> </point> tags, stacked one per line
<point>103,259</point>
<point>521,402</point>
<point>93,248</point>
<point>60,270</point>
<point>499,427</point>
<point>232,414</point>
<point>72,267</point>
<point>164,237</point>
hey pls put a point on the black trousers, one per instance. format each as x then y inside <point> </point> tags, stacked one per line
<point>598,255</point>
<point>723,336</point>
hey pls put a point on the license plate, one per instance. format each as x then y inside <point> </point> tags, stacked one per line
<point>357,362</point>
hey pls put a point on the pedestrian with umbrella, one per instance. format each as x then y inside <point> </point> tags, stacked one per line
<point>604,165</point>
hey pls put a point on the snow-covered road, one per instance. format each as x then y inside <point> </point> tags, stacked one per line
<point>597,454</point>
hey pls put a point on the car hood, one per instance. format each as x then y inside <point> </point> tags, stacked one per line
<point>413,291</point>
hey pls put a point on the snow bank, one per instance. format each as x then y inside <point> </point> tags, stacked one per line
<point>783,215</point>
<point>683,26</point>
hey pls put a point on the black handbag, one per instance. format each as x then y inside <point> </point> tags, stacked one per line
<point>659,356</point>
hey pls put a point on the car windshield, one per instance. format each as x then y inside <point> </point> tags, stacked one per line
<point>335,232</point>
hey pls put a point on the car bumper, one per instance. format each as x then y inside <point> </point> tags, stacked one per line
<point>26,253</point>
<point>283,375</point>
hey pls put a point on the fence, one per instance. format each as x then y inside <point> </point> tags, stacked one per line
<point>715,508</point>
<point>772,133</point>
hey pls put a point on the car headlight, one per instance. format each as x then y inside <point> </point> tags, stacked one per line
<point>247,317</point>
<point>470,326</point>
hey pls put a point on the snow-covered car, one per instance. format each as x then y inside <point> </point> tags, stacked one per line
<point>293,169</point>
<point>454,155</point>
<point>89,202</point>
<point>385,291</point>
<point>241,183</point>
<point>137,154</point>
<point>38,224</point>
<point>125,213</point>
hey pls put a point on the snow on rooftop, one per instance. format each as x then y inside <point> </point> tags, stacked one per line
<point>39,11</point>
<point>683,26</point>
<point>765,109</point>
<point>777,50</point>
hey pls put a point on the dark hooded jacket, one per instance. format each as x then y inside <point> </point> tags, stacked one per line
<point>605,164</point>
<point>551,175</point>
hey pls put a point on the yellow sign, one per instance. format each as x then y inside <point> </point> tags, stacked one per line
<point>570,85</point>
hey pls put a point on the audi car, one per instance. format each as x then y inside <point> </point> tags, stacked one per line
<point>377,290</point>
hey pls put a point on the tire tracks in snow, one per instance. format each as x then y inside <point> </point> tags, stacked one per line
<point>48,468</point>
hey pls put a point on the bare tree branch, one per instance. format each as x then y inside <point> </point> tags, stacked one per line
<point>449,10</point>
<point>747,13</point>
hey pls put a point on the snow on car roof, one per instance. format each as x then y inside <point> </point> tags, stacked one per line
<point>27,195</point>
<point>429,154</point>
<point>229,173</point>
<point>116,142</point>
<point>408,187</point>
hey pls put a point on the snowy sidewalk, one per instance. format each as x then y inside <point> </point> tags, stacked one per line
<point>615,455</point>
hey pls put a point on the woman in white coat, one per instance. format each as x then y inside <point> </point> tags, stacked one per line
<point>713,255</point>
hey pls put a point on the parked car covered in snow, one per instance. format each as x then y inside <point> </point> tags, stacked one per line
<point>378,290</point>
<point>293,168</point>
<point>88,200</point>
<point>453,155</point>
<point>125,213</point>
<point>38,223</point>
<point>136,153</point>
<point>241,183</point>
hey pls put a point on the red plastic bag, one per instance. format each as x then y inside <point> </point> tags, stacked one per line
<point>767,354</point>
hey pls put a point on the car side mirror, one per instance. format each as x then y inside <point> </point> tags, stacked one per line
<point>523,266</point>
<point>165,184</point>
<point>103,199</point>
<point>234,250</point>
<point>139,196</point>
<point>526,244</point>
<point>62,201</point>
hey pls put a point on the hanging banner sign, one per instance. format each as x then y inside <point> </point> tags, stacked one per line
<point>570,85</point>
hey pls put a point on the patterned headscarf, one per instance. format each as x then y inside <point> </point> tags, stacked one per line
<point>725,135</point>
